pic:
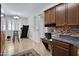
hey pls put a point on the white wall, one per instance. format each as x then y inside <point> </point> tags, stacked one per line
<point>36,29</point>
<point>45,8</point>
<point>36,22</point>
<point>31,27</point>
<point>41,26</point>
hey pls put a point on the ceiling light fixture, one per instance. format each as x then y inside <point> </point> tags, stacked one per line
<point>16,17</point>
<point>2,15</point>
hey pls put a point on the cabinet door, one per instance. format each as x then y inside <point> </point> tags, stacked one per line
<point>72,14</point>
<point>78,14</point>
<point>0,42</point>
<point>45,14</point>
<point>61,15</point>
<point>47,17</point>
<point>47,44</point>
<point>60,51</point>
<point>52,15</point>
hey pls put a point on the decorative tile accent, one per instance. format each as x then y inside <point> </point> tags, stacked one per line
<point>64,29</point>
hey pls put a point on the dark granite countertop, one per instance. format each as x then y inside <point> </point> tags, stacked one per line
<point>68,39</point>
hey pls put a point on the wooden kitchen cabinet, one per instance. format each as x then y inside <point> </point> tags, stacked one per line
<point>78,14</point>
<point>50,16</point>
<point>61,48</point>
<point>46,43</point>
<point>2,42</point>
<point>72,9</point>
<point>60,51</point>
<point>47,17</point>
<point>61,15</point>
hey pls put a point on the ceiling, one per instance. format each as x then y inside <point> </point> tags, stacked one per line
<point>23,9</point>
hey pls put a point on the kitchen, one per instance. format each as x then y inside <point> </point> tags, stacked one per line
<point>56,27</point>
<point>62,29</point>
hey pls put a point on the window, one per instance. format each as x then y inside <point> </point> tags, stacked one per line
<point>3,25</point>
<point>13,25</point>
<point>9,24</point>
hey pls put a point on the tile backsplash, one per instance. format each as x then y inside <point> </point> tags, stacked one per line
<point>64,30</point>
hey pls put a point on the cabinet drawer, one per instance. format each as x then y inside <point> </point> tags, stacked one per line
<point>60,43</point>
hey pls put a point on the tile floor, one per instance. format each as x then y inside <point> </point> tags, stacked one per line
<point>25,44</point>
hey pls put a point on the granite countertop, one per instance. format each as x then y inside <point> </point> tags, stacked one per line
<point>68,39</point>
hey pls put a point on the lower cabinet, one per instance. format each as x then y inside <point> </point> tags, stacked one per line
<point>60,51</point>
<point>2,42</point>
<point>61,48</point>
<point>47,44</point>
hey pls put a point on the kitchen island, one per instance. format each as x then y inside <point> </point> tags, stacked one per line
<point>63,45</point>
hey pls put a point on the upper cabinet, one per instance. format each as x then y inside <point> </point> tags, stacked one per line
<point>72,10</point>
<point>60,15</point>
<point>50,16</point>
<point>47,17</point>
<point>63,14</point>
